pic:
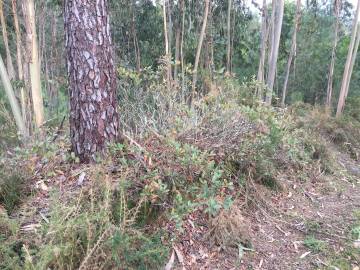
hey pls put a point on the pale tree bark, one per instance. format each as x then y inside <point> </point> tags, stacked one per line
<point>33,61</point>
<point>353,60</point>
<point>183,11</point>
<point>53,88</point>
<point>167,48</point>
<point>278,18</point>
<point>271,30</point>
<point>263,42</point>
<point>9,63</point>
<point>198,51</point>
<point>346,76</point>
<point>292,51</point>
<point>12,99</point>
<point>19,58</point>
<point>228,49</point>
<point>135,38</point>
<point>177,51</point>
<point>94,119</point>
<point>329,90</point>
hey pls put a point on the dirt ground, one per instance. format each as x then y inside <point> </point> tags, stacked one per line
<point>308,226</point>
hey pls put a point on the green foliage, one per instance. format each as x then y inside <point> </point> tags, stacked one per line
<point>138,251</point>
<point>314,244</point>
<point>11,189</point>
<point>97,220</point>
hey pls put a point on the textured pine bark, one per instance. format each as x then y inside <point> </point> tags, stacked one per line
<point>92,77</point>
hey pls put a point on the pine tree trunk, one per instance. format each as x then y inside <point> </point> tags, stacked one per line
<point>228,53</point>
<point>33,61</point>
<point>343,91</point>
<point>92,78</point>
<point>329,89</point>
<point>292,52</point>
<point>12,99</point>
<point>199,47</point>
<point>278,15</point>
<point>9,63</point>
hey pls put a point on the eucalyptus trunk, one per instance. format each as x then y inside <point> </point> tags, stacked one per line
<point>19,58</point>
<point>264,37</point>
<point>347,75</point>
<point>199,47</point>
<point>278,14</point>
<point>167,47</point>
<point>33,61</point>
<point>12,99</point>
<point>228,49</point>
<point>329,89</point>
<point>9,63</point>
<point>292,51</point>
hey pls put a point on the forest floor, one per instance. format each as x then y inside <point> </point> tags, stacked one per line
<point>312,221</point>
<point>309,226</point>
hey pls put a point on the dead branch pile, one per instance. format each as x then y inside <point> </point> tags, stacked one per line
<point>222,134</point>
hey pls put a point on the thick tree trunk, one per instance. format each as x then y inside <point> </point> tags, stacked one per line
<point>19,58</point>
<point>343,91</point>
<point>9,63</point>
<point>292,51</point>
<point>33,61</point>
<point>92,78</point>
<point>329,89</point>
<point>263,42</point>
<point>12,99</point>
<point>198,51</point>
<point>228,49</point>
<point>278,14</point>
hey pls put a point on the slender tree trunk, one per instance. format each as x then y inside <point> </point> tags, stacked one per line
<point>279,13</point>
<point>329,89</point>
<point>346,76</point>
<point>12,99</point>
<point>170,25</point>
<point>167,48</point>
<point>198,51</point>
<point>19,58</point>
<point>183,9</point>
<point>263,42</point>
<point>52,65</point>
<point>292,51</point>
<point>271,33</point>
<point>177,52</point>
<point>228,54</point>
<point>33,61</point>
<point>353,60</point>
<point>9,63</point>
<point>92,78</point>
<point>135,38</point>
